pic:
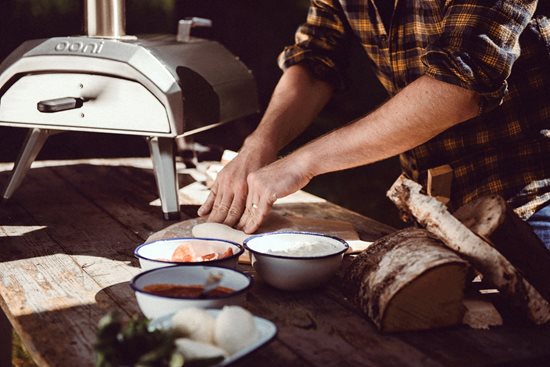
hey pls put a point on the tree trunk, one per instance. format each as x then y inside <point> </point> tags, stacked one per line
<point>408,280</point>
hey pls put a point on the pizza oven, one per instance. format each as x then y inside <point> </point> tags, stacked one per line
<point>160,87</point>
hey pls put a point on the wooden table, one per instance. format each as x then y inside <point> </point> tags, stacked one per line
<point>66,243</point>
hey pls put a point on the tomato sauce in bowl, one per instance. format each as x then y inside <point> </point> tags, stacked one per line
<point>186,291</point>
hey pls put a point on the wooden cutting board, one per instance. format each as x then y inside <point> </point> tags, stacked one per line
<point>274,222</point>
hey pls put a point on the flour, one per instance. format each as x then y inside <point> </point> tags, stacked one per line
<point>306,249</point>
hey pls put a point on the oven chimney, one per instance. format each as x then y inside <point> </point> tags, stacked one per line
<point>105,18</point>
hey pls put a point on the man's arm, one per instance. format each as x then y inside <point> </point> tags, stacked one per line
<point>297,99</point>
<point>422,110</point>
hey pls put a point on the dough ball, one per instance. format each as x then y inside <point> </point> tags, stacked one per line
<point>235,329</point>
<point>193,350</point>
<point>218,230</point>
<point>194,323</point>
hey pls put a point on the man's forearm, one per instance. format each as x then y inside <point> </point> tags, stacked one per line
<point>297,99</point>
<point>419,112</point>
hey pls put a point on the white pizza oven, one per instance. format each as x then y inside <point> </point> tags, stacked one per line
<point>160,87</point>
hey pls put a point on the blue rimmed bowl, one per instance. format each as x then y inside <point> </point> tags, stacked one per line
<point>154,305</point>
<point>295,261</point>
<point>159,253</point>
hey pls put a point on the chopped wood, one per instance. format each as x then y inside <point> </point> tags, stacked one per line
<point>495,221</point>
<point>408,280</point>
<point>439,183</point>
<point>480,314</point>
<point>495,268</point>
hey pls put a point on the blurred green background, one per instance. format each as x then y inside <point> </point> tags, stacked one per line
<point>254,30</point>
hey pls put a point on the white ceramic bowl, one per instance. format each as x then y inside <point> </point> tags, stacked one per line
<point>157,254</point>
<point>295,260</point>
<point>153,305</point>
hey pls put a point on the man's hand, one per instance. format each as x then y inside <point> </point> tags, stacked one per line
<point>227,199</point>
<point>297,99</point>
<point>268,184</point>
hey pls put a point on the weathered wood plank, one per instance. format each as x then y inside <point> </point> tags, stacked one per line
<point>67,293</point>
<point>511,345</point>
<point>275,354</point>
<point>368,229</point>
<point>115,191</point>
<point>47,294</point>
<point>325,334</point>
<point>71,216</point>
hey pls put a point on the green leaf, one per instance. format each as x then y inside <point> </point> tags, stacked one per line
<point>133,344</point>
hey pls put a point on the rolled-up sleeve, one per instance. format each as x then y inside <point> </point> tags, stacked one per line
<point>479,45</point>
<point>320,43</point>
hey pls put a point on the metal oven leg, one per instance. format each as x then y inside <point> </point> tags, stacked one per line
<point>34,142</point>
<point>5,340</point>
<point>162,153</point>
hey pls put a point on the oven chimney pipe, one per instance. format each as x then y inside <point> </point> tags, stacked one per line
<point>105,18</point>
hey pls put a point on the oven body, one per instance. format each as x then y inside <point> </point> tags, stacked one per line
<point>154,86</point>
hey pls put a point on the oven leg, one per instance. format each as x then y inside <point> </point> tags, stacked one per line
<point>164,164</point>
<point>33,143</point>
<point>5,340</point>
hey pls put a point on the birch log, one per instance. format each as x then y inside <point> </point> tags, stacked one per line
<point>408,280</point>
<point>495,268</point>
<point>492,219</point>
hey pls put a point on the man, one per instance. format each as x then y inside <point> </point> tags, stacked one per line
<point>468,80</point>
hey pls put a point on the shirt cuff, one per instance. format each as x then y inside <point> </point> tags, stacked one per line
<point>320,67</point>
<point>456,69</point>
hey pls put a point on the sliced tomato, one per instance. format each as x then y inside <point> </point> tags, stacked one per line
<point>227,253</point>
<point>209,257</point>
<point>183,253</point>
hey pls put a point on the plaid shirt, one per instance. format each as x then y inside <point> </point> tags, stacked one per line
<point>500,49</point>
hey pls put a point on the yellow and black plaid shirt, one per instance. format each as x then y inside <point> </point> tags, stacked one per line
<point>500,49</point>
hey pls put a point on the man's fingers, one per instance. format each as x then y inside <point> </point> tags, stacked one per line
<point>220,208</point>
<point>257,212</point>
<point>206,207</point>
<point>246,214</point>
<point>236,211</point>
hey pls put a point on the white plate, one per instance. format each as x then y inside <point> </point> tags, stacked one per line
<point>266,329</point>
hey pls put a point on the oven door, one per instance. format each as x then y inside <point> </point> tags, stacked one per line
<point>107,104</point>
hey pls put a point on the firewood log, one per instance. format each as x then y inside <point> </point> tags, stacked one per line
<point>408,280</point>
<point>480,314</point>
<point>492,219</point>
<point>494,267</point>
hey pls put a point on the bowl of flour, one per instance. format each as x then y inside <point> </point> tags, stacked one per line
<point>295,261</point>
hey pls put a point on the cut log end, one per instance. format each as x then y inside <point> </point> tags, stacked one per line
<point>481,314</point>
<point>432,300</point>
<point>408,280</point>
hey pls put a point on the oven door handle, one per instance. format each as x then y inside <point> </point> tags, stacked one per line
<point>59,104</point>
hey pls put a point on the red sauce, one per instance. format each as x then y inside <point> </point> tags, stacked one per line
<point>190,291</point>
